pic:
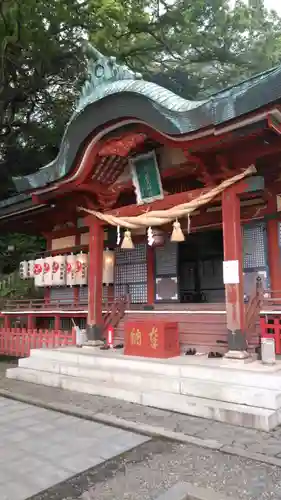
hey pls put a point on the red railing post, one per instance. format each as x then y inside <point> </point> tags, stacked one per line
<point>277,335</point>
<point>73,336</point>
<point>1,340</point>
<point>6,322</point>
<point>30,321</point>
<point>19,341</point>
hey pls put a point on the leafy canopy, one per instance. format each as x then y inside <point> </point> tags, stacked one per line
<point>191,46</point>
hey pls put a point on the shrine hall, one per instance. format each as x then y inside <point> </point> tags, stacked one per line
<point>157,208</point>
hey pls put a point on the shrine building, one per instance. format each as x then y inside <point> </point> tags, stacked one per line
<point>157,208</point>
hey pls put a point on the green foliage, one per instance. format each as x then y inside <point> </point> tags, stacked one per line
<point>17,247</point>
<point>19,289</point>
<point>40,69</point>
<point>13,249</point>
<point>193,47</point>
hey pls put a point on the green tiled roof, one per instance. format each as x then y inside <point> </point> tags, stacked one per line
<point>121,93</point>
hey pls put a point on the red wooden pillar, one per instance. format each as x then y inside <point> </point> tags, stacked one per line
<point>150,276</point>
<point>274,252</point>
<point>234,287</point>
<point>95,321</point>
<point>76,289</point>
<point>57,322</point>
<point>47,296</point>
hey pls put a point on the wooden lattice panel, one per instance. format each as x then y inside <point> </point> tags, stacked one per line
<point>128,273</point>
<point>166,259</point>
<point>254,246</point>
<point>131,274</point>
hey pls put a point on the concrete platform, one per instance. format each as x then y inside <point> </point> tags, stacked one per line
<point>248,395</point>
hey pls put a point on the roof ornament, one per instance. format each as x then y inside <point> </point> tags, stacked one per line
<point>101,71</point>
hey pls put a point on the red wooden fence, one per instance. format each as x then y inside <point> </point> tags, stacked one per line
<point>19,341</point>
<point>271,329</point>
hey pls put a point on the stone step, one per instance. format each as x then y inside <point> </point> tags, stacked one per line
<point>237,414</point>
<point>263,377</point>
<point>84,385</point>
<point>231,393</point>
<point>93,357</point>
<point>140,380</point>
<point>143,381</point>
<point>231,413</point>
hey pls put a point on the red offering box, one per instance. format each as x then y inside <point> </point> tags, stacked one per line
<point>152,339</point>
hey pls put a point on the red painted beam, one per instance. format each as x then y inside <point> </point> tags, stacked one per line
<point>255,152</point>
<point>249,154</point>
<point>211,219</point>
<point>168,202</point>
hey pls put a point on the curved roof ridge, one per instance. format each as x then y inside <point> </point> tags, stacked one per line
<point>256,76</point>
<point>150,103</point>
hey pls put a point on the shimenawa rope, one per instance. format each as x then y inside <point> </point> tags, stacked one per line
<point>160,217</point>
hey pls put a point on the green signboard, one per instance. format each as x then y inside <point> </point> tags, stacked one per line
<point>146,178</point>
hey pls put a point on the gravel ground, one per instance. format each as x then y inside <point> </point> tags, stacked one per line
<point>147,471</point>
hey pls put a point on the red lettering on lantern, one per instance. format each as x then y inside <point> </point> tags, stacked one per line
<point>46,267</point>
<point>37,269</point>
<point>56,267</point>
<point>78,266</point>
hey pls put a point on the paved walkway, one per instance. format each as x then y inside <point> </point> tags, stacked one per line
<point>40,448</point>
<point>248,443</point>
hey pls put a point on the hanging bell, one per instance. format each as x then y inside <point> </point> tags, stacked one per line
<point>127,243</point>
<point>177,234</point>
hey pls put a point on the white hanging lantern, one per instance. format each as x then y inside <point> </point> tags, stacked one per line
<point>108,267</point>
<point>71,270</point>
<point>30,269</point>
<point>58,270</point>
<point>23,270</point>
<point>39,272</point>
<point>48,273</point>
<point>81,269</point>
